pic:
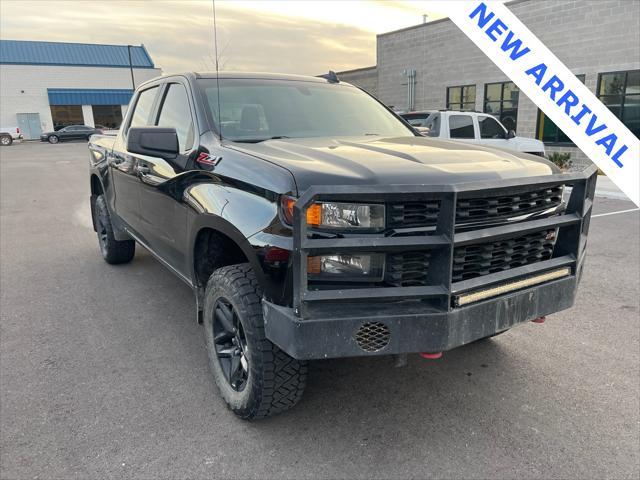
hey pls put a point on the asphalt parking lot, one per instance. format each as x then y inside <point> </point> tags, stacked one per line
<point>103,369</point>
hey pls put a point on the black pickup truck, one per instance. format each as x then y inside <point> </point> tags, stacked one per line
<point>312,222</point>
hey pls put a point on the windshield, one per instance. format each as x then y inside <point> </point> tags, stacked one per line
<point>254,110</point>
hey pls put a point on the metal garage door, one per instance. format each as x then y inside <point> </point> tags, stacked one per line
<point>29,124</point>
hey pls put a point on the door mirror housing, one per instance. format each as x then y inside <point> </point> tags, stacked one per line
<point>161,142</point>
<point>510,134</point>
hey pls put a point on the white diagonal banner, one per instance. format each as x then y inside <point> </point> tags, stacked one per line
<point>552,87</point>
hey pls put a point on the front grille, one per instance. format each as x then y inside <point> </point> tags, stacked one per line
<point>504,206</point>
<point>482,259</point>
<point>409,269</point>
<point>475,209</point>
<point>373,336</point>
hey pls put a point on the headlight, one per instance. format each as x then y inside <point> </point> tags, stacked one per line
<point>346,268</point>
<point>338,215</point>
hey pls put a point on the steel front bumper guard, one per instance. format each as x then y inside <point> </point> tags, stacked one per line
<point>443,314</point>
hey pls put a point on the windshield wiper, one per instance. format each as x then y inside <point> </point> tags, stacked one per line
<point>258,140</point>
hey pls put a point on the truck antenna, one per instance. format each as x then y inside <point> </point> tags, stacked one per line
<point>215,46</point>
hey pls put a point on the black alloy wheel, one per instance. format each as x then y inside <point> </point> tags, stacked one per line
<point>103,238</point>
<point>230,344</point>
<point>113,251</point>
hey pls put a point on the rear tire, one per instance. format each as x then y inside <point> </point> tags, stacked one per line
<point>113,251</point>
<point>256,378</point>
<point>6,140</point>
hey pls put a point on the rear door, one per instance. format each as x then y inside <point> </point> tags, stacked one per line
<point>124,165</point>
<point>163,215</point>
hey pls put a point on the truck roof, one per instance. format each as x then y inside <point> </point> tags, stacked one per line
<point>249,75</point>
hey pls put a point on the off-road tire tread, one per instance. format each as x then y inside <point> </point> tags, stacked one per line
<point>117,251</point>
<point>282,380</point>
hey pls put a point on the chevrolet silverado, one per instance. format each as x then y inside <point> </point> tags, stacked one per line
<point>312,222</point>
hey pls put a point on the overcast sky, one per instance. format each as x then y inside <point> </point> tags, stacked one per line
<point>305,37</point>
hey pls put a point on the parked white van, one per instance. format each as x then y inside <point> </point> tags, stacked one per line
<point>471,127</point>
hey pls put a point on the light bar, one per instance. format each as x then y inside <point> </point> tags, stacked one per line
<point>467,298</point>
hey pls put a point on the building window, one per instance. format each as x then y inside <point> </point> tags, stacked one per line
<point>63,115</point>
<point>461,98</point>
<point>107,116</point>
<point>501,101</point>
<point>620,92</point>
<point>547,131</point>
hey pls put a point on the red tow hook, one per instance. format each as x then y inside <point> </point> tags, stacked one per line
<point>431,356</point>
<point>539,320</point>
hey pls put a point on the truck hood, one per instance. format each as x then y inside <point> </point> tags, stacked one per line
<point>392,161</point>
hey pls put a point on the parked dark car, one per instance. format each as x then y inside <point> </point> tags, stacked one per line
<point>311,223</point>
<point>71,132</point>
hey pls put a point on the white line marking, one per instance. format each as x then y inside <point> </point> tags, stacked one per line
<point>615,213</point>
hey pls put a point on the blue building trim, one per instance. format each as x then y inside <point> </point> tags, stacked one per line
<point>82,96</point>
<point>20,52</point>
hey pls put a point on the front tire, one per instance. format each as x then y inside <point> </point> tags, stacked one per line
<point>53,139</point>
<point>113,251</point>
<point>256,378</point>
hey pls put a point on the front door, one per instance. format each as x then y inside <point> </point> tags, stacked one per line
<point>492,133</point>
<point>124,165</point>
<point>163,214</point>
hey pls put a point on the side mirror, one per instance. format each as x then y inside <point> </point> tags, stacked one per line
<point>161,142</point>
<point>510,134</point>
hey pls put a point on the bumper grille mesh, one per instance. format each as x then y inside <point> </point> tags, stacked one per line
<point>412,214</point>
<point>373,336</point>
<point>482,259</point>
<point>407,269</point>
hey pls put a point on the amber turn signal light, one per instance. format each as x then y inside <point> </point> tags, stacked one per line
<point>313,265</point>
<point>314,212</point>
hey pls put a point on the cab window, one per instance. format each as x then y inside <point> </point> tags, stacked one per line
<point>461,126</point>
<point>142,110</point>
<point>490,128</point>
<point>175,113</point>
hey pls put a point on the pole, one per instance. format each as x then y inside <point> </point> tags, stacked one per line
<point>133,82</point>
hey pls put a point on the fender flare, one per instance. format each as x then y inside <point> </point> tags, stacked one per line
<point>119,231</point>
<point>217,223</point>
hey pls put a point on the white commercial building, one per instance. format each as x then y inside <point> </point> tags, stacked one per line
<point>434,66</point>
<point>47,85</point>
